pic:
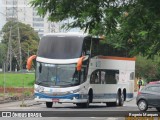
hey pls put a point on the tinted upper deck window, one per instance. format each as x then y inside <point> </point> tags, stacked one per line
<point>60,47</point>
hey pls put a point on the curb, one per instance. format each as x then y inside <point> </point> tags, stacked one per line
<point>11,100</point>
<point>27,104</point>
<point>33,104</point>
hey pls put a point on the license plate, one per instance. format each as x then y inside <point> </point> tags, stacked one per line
<point>55,100</point>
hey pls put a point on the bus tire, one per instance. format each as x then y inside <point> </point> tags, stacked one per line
<point>86,105</point>
<point>117,99</point>
<point>121,99</point>
<point>49,104</point>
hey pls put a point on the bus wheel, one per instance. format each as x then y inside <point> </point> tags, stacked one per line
<point>86,105</point>
<point>121,99</point>
<point>118,99</point>
<point>49,104</point>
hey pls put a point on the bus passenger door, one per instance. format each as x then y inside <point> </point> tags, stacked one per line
<point>98,85</point>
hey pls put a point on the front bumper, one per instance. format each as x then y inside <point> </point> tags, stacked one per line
<point>69,98</point>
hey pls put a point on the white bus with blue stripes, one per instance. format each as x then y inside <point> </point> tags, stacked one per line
<point>80,69</point>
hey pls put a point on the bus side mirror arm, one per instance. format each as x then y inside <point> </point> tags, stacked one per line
<point>79,64</point>
<point>29,61</point>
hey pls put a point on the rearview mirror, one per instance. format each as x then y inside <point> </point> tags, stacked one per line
<point>29,62</point>
<point>79,64</point>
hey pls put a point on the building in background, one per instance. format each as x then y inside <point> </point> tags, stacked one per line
<point>20,10</point>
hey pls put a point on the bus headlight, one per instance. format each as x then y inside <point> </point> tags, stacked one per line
<point>75,91</point>
<point>39,89</point>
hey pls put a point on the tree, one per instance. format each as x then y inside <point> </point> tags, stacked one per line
<point>3,49</point>
<point>130,24</point>
<point>147,68</point>
<point>28,37</point>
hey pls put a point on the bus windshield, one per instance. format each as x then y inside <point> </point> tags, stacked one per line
<point>54,47</point>
<point>52,75</point>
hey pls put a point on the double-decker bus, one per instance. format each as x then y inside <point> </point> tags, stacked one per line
<point>80,69</point>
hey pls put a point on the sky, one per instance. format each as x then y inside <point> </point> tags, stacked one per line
<point>2,20</point>
<point>2,16</point>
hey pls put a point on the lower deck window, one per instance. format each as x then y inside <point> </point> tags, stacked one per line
<point>104,77</point>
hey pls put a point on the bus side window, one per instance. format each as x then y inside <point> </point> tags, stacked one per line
<point>132,76</point>
<point>111,76</point>
<point>95,78</point>
<point>83,74</point>
<point>86,46</point>
<point>103,77</point>
<point>117,77</point>
<point>92,78</point>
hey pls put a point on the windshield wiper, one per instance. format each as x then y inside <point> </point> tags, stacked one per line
<point>40,82</point>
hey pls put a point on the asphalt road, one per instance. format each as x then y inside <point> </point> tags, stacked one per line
<point>70,111</point>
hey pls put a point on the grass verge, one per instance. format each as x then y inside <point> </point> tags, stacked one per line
<point>17,79</point>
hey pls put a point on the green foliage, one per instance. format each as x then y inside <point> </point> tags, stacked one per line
<point>17,79</point>
<point>148,69</point>
<point>3,49</point>
<point>142,27</point>
<point>87,14</point>
<point>28,37</point>
<point>130,24</point>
